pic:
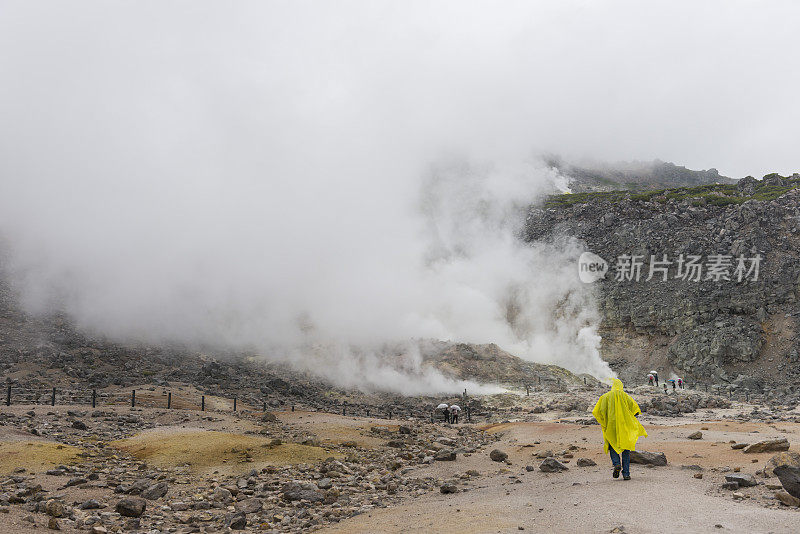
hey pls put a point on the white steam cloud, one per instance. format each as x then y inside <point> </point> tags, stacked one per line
<point>272,175</point>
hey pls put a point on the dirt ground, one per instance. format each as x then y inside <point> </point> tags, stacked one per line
<point>587,499</point>
<point>501,498</point>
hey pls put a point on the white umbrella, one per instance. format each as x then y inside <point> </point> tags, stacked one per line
<point>653,373</point>
<point>442,406</point>
<point>455,408</point>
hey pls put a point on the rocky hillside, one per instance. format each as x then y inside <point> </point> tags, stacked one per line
<point>631,175</point>
<point>740,330</point>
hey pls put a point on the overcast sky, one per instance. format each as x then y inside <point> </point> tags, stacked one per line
<point>229,170</point>
<point>704,84</point>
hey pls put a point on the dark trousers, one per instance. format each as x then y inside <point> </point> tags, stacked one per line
<point>626,460</point>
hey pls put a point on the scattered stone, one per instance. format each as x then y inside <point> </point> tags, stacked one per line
<point>788,500</point>
<point>698,475</point>
<point>695,435</point>
<point>737,446</point>
<point>585,462</point>
<point>790,479</point>
<point>237,521</point>
<point>789,458</point>
<point>53,524</point>
<point>155,491</point>
<point>131,507</point>
<point>79,425</point>
<point>222,495</point>
<point>498,455</point>
<point>91,504</point>
<point>551,465</point>
<point>730,485</point>
<point>648,458</point>
<point>743,479</point>
<point>770,445</point>
<point>445,455</point>
<point>55,508</point>
<point>248,506</point>
<point>294,491</point>
<point>448,488</point>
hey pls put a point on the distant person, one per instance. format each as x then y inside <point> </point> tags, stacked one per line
<point>673,384</point>
<point>665,387</point>
<point>655,377</point>
<point>455,409</point>
<point>650,379</point>
<point>680,383</point>
<point>616,412</point>
<point>446,411</point>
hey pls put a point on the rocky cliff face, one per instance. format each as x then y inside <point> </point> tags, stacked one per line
<point>740,330</point>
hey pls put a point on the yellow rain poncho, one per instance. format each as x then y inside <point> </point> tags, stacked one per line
<point>616,411</point>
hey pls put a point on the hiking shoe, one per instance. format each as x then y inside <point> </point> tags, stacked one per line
<point>617,469</point>
<point>626,477</point>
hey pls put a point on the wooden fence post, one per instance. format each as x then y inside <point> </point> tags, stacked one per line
<point>169,400</point>
<point>8,396</point>
<point>203,403</point>
<point>234,404</point>
<point>133,398</point>
<point>53,398</point>
<point>94,398</point>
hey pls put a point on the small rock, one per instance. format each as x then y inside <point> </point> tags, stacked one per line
<point>585,462</point>
<point>237,521</point>
<point>53,524</point>
<point>445,455</point>
<point>743,479</point>
<point>498,455</point>
<point>737,446</point>
<point>790,478</point>
<point>551,465</point>
<point>695,435</point>
<point>55,508</point>
<point>131,507</point>
<point>648,458</point>
<point>770,445</point>
<point>91,504</point>
<point>788,500</point>
<point>221,495</point>
<point>155,491</point>
<point>730,485</point>
<point>79,425</point>
<point>248,506</point>
<point>448,488</point>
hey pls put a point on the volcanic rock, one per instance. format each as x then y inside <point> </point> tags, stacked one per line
<point>498,455</point>
<point>131,507</point>
<point>770,445</point>
<point>551,465</point>
<point>648,458</point>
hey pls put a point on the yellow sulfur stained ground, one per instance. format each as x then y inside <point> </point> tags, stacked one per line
<point>34,455</point>
<point>209,450</point>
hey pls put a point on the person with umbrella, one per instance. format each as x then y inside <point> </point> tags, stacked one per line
<point>655,376</point>
<point>454,410</point>
<point>444,407</point>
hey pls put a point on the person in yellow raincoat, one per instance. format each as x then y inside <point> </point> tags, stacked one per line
<point>616,412</point>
